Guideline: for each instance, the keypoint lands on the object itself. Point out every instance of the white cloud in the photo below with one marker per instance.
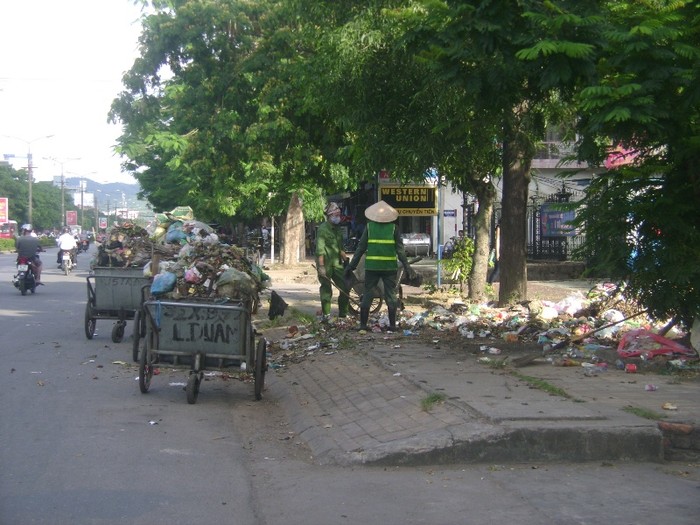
(62, 63)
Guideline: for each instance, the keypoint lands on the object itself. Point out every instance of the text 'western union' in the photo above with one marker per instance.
(407, 194)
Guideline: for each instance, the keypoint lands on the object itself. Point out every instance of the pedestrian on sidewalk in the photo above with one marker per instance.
(384, 247)
(330, 261)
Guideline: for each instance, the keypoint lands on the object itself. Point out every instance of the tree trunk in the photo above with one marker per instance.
(293, 232)
(513, 249)
(486, 195)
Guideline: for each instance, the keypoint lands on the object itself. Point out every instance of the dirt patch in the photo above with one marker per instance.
(302, 273)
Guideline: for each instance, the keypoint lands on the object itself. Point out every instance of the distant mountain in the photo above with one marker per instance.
(130, 191)
(117, 194)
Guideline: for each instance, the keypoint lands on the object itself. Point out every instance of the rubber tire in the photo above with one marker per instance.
(145, 366)
(66, 268)
(192, 388)
(118, 331)
(139, 333)
(90, 322)
(356, 299)
(22, 287)
(260, 367)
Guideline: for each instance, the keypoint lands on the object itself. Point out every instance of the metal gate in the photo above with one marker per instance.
(548, 235)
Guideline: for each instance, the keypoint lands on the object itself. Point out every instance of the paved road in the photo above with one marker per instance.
(82, 445)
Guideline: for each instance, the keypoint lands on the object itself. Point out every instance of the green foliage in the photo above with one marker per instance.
(429, 401)
(228, 131)
(460, 264)
(641, 221)
(7, 245)
(46, 199)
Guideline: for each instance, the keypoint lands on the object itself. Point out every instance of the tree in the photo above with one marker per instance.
(437, 83)
(519, 63)
(226, 129)
(371, 76)
(641, 220)
(46, 198)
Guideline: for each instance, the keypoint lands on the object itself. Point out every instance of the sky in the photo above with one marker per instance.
(61, 64)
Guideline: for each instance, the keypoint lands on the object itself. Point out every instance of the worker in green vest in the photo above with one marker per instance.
(330, 260)
(384, 247)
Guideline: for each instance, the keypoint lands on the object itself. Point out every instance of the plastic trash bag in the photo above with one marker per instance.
(649, 344)
(163, 283)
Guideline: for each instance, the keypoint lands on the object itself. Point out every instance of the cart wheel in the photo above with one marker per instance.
(356, 294)
(354, 305)
(260, 367)
(192, 388)
(118, 331)
(90, 322)
(145, 366)
(139, 332)
(356, 298)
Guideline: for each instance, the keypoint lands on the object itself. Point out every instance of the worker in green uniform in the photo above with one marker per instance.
(384, 247)
(330, 261)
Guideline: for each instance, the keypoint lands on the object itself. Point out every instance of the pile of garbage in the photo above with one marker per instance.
(602, 327)
(185, 258)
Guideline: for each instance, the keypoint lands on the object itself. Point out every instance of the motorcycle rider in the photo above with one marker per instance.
(66, 242)
(28, 245)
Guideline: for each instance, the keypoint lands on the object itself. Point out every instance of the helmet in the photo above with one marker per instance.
(27, 227)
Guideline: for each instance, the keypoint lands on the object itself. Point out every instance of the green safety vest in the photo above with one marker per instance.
(381, 247)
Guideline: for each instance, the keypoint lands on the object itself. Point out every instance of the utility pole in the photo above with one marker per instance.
(82, 208)
(63, 184)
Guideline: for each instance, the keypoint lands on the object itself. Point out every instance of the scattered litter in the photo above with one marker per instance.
(651, 388)
(669, 406)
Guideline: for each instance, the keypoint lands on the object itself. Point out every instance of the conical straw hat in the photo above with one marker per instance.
(381, 212)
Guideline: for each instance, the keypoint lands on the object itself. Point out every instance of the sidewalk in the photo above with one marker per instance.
(370, 402)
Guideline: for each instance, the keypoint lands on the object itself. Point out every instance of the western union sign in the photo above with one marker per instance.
(410, 200)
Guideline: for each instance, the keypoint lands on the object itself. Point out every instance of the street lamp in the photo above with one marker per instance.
(30, 168)
(63, 185)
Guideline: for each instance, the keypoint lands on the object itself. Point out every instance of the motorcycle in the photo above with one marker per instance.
(66, 261)
(24, 280)
(83, 245)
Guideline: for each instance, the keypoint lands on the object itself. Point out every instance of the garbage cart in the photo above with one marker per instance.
(200, 335)
(357, 287)
(114, 293)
